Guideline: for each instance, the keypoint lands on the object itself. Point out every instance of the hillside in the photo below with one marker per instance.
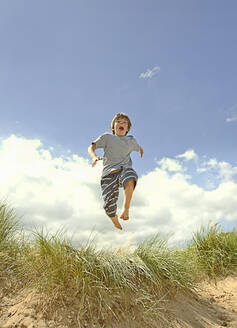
(215, 305)
(46, 281)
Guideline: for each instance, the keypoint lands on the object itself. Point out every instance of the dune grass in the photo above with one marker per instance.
(9, 237)
(103, 285)
(216, 251)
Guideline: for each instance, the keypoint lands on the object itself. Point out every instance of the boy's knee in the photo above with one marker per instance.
(130, 184)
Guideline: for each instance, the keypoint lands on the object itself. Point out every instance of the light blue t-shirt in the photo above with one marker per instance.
(116, 151)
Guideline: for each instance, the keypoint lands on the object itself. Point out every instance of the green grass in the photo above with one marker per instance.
(216, 251)
(8, 226)
(103, 285)
(9, 237)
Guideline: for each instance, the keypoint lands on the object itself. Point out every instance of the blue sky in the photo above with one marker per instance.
(67, 67)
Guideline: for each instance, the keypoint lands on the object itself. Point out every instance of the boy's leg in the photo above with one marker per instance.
(116, 222)
(128, 192)
(110, 193)
(129, 180)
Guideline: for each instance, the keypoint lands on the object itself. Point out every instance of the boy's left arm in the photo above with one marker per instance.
(141, 151)
(136, 146)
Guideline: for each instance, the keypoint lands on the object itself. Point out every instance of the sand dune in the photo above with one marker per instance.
(214, 305)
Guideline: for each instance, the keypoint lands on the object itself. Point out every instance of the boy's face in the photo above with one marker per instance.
(121, 127)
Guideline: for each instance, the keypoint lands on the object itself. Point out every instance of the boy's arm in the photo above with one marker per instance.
(135, 145)
(94, 157)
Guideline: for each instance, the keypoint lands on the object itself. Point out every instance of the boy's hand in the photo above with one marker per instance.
(141, 151)
(95, 160)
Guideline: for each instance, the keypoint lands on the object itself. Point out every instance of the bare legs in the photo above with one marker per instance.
(116, 222)
(128, 192)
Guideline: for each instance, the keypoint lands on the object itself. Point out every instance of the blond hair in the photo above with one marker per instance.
(118, 116)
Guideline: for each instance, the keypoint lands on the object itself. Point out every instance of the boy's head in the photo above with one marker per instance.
(120, 124)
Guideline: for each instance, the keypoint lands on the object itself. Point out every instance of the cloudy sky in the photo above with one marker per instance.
(67, 67)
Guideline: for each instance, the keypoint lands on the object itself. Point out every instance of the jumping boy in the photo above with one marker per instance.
(117, 166)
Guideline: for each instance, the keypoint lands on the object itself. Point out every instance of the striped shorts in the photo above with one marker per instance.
(110, 188)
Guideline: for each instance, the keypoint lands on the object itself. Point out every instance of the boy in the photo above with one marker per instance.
(117, 166)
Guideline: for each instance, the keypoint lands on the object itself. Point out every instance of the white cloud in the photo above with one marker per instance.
(170, 165)
(227, 171)
(188, 155)
(224, 171)
(232, 114)
(150, 73)
(231, 119)
(64, 191)
(47, 189)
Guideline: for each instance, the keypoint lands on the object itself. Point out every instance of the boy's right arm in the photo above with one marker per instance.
(94, 157)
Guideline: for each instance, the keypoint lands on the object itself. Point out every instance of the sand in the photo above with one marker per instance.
(214, 306)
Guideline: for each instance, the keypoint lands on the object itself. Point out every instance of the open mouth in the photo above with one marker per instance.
(121, 128)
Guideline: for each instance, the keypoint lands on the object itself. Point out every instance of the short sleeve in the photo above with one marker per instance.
(100, 141)
(135, 146)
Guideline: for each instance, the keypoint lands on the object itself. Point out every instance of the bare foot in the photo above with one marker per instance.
(125, 214)
(116, 222)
